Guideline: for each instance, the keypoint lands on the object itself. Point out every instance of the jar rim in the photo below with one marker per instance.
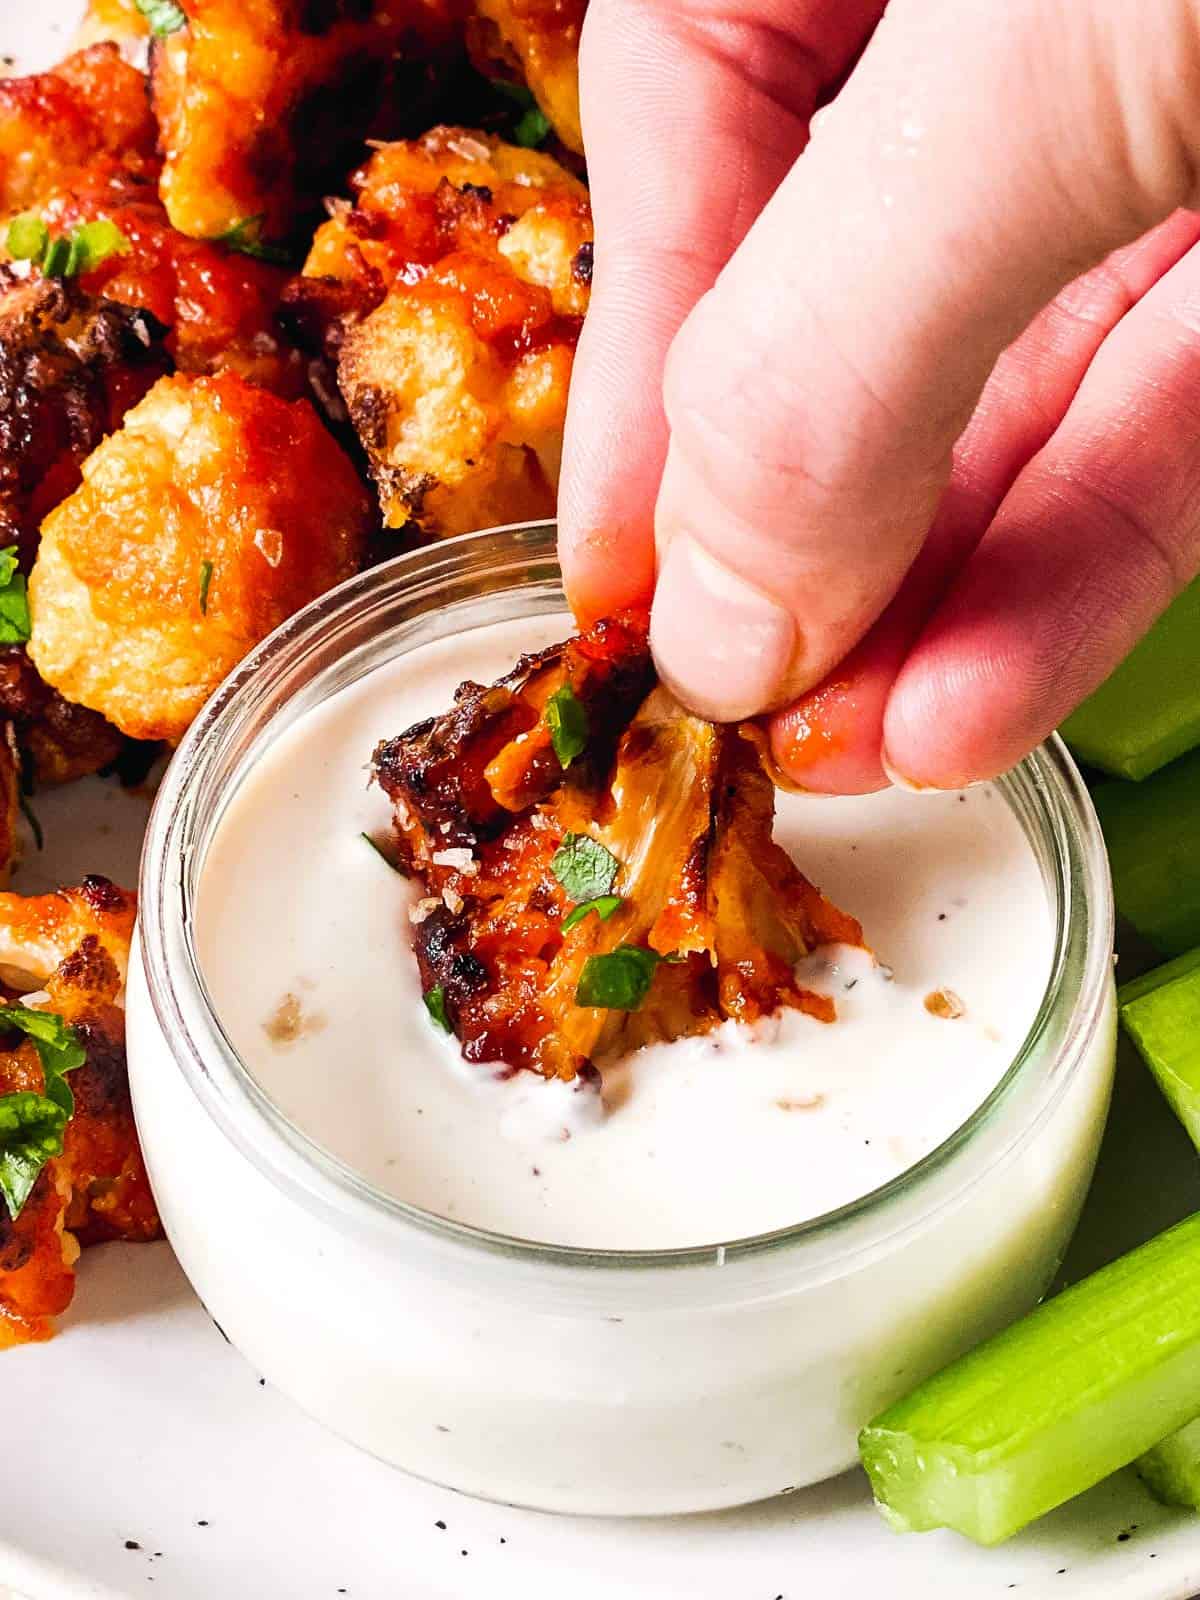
(294, 662)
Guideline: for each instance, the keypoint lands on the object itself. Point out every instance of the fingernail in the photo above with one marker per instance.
(898, 780)
(722, 646)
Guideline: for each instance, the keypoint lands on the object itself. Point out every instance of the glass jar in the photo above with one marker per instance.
(569, 1379)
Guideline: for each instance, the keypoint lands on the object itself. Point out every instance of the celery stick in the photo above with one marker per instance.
(1083, 1385)
(1172, 1469)
(1161, 1014)
(1148, 712)
(1152, 830)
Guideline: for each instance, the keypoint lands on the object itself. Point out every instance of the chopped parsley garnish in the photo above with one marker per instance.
(246, 237)
(435, 1004)
(31, 1133)
(164, 16)
(620, 980)
(568, 724)
(584, 867)
(31, 1125)
(14, 601)
(604, 905)
(532, 129)
(533, 125)
(27, 238)
(206, 571)
(68, 255)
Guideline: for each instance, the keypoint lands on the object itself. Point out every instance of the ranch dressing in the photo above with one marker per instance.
(305, 942)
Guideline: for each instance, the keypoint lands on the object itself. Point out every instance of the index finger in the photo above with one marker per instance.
(693, 113)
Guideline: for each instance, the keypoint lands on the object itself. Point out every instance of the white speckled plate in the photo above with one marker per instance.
(142, 1456)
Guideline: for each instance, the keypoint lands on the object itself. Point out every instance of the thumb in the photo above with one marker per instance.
(983, 154)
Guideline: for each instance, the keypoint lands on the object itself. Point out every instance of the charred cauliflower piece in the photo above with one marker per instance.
(218, 307)
(91, 106)
(537, 40)
(70, 367)
(264, 104)
(71, 949)
(577, 782)
(215, 512)
(476, 257)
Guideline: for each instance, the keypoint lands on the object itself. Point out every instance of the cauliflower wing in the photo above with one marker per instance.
(92, 105)
(537, 40)
(676, 812)
(455, 288)
(70, 367)
(218, 307)
(72, 949)
(214, 512)
(264, 104)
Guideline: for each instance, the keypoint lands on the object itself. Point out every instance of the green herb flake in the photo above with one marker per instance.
(56, 258)
(532, 126)
(14, 601)
(435, 1004)
(604, 906)
(27, 238)
(246, 238)
(618, 981)
(31, 1133)
(584, 867)
(206, 572)
(164, 16)
(31, 1125)
(383, 855)
(58, 1044)
(532, 129)
(82, 250)
(93, 242)
(568, 724)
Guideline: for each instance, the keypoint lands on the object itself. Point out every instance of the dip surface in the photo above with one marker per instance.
(305, 942)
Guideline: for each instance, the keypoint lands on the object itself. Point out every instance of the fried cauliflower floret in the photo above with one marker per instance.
(90, 106)
(214, 513)
(453, 190)
(72, 949)
(39, 932)
(537, 40)
(716, 914)
(218, 307)
(477, 258)
(70, 367)
(264, 104)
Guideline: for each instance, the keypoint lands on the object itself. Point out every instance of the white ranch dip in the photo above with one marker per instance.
(305, 943)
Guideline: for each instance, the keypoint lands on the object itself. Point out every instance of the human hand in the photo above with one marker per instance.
(933, 387)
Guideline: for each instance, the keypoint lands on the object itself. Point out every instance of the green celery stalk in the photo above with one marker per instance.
(1152, 830)
(1148, 712)
(1161, 1014)
(1171, 1471)
(1081, 1386)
